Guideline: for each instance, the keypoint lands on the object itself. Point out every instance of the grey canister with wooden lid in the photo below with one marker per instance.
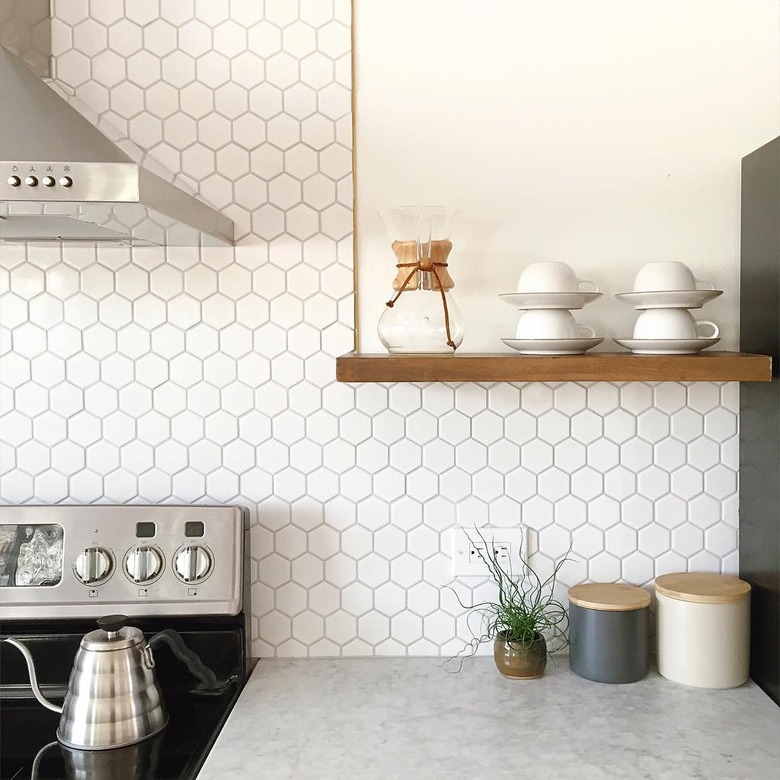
(608, 631)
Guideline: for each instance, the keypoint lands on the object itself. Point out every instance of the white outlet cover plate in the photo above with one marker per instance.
(463, 539)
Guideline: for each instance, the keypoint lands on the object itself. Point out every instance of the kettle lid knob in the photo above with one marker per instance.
(112, 623)
(113, 634)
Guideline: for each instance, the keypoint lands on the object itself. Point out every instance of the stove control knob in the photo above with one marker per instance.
(93, 566)
(192, 563)
(143, 564)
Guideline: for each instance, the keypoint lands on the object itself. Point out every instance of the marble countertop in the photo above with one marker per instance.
(408, 718)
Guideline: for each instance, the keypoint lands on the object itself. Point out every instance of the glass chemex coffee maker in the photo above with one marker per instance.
(422, 317)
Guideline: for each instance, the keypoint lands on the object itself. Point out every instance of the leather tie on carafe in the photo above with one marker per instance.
(426, 264)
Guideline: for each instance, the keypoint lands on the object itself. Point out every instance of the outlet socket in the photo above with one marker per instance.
(508, 543)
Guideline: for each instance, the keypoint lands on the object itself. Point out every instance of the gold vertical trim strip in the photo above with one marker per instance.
(356, 341)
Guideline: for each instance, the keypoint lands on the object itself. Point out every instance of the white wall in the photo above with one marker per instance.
(176, 376)
(606, 134)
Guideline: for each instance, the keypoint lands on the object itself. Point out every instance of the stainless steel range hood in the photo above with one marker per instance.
(61, 179)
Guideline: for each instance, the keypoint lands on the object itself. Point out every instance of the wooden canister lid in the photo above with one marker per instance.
(609, 596)
(702, 587)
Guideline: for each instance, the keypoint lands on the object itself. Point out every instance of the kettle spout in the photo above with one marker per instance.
(33, 679)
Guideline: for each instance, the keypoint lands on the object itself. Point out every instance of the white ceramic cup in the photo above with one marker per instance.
(668, 275)
(672, 324)
(551, 324)
(552, 277)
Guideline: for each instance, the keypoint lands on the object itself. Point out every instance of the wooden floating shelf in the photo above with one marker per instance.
(595, 367)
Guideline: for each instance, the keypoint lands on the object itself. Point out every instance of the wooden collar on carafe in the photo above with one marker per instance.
(406, 252)
(435, 265)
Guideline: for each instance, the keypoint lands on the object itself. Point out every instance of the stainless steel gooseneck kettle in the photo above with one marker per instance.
(113, 698)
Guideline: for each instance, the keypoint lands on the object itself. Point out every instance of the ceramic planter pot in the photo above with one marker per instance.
(520, 660)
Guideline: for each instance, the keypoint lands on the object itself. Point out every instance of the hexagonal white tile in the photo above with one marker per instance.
(203, 374)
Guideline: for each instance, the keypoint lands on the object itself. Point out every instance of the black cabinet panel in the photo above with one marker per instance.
(759, 544)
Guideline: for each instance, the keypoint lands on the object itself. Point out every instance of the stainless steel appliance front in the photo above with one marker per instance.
(80, 561)
(61, 179)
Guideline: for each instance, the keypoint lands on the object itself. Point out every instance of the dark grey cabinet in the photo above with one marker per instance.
(759, 503)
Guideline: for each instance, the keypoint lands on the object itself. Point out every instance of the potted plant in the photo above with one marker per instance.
(525, 610)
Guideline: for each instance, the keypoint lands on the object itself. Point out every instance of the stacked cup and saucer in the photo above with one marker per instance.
(547, 292)
(663, 293)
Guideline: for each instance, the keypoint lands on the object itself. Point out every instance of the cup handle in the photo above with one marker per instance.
(702, 285)
(585, 331)
(715, 329)
(594, 286)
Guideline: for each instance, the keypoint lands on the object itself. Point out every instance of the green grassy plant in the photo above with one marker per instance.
(525, 607)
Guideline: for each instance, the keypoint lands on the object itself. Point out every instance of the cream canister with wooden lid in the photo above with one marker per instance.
(703, 629)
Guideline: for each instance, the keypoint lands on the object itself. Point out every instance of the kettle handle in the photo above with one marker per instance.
(208, 680)
(33, 679)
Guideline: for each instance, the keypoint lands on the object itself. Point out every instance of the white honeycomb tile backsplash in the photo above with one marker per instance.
(186, 376)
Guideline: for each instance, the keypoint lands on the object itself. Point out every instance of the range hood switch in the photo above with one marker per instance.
(31, 181)
(14, 181)
(66, 181)
(48, 181)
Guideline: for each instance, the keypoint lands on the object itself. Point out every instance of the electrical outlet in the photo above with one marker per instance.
(478, 552)
(469, 552)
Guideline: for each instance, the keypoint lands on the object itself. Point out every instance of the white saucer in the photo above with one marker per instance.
(552, 346)
(555, 300)
(669, 299)
(666, 346)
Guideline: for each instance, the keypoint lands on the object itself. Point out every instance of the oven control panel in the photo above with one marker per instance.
(85, 561)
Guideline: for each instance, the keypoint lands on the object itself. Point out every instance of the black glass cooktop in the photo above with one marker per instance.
(28, 746)
(26, 728)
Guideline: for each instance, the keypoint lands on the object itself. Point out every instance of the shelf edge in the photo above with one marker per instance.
(599, 367)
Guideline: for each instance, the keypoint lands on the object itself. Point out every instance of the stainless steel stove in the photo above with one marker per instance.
(165, 567)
